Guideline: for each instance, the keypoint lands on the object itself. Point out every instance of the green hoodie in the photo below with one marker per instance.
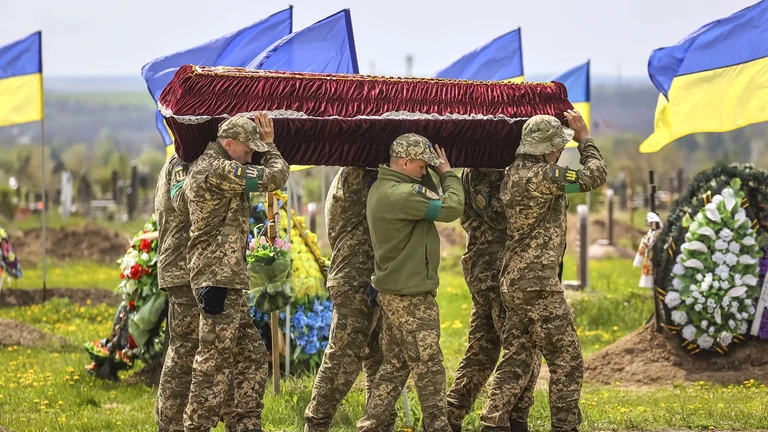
(401, 216)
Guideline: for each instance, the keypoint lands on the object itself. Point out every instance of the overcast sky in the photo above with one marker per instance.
(108, 37)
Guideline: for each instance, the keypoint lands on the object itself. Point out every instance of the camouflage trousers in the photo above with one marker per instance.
(353, 346)
(231, 353)
(173, 391)
(480, 358)
(537, 320)
(410, 342)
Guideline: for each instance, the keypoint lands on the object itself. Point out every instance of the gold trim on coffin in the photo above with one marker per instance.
(241, 72)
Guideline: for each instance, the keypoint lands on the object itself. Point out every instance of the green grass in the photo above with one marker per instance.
(70, 274)
(45, 390)
(54, 220)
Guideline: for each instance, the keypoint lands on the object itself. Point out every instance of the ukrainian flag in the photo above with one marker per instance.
(499, 60)
(234, 49)
(21, 81)
(714, 80)
(576, 81)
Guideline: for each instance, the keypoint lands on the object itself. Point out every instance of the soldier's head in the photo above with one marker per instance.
(240, 138)
(544, 136)
(411, 154)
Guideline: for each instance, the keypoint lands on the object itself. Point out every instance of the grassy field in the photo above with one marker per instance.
(71, 274)
(54, 220)
(46, 390)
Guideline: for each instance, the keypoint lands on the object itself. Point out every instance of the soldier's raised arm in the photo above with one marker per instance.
(557, 179)
(419, 202)
(178, 197)
(273, 170)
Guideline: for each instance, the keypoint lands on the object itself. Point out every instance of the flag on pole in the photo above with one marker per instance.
(499, 60)
(21, 81)
(236, 49)
(577, 83)
(327, 46)
(714, 80)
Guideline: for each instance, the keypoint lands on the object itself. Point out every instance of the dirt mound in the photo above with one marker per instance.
(13, 333)
(451, 234)
(645, 357)
(598, 230)
(87, 242)
(600, 251)
(149, 375)
(11, 297)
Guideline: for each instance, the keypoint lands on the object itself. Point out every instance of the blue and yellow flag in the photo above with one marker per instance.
(21, 81)
(499, 60)
(714, 80)
(576, 81)
(236, 49)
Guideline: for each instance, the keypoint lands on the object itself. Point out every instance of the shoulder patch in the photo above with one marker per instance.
(180, 173)
(480, 201)
(239, 172)
(253, 171)
(565, 175)
(426, 191)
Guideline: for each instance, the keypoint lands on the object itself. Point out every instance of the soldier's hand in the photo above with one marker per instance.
(266, 127)
(445, 166)
(373, 294)
(579, 126)
(211, 299)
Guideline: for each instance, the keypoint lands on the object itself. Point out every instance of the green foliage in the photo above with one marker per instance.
(42, 389)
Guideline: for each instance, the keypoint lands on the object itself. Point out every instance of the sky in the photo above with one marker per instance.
(116, 38)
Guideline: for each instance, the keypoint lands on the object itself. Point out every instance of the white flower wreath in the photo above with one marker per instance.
(716, 273)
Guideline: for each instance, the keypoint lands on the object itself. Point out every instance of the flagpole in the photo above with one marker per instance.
(42, 136)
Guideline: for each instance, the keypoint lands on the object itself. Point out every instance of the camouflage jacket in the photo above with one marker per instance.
(172, 224)
(486, 227)
(401, 215)
(218, 194)
(348, 235)
(534, 197)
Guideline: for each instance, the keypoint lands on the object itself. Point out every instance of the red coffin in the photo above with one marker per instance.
(350, 120)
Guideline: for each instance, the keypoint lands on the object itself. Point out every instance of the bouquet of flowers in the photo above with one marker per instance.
(715, 285)
(137, 331)
(269, 268)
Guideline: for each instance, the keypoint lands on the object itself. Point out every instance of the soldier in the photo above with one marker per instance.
(218, 189)
(173, 277)
(538, 317)
(401, 215)
(183, 317)
(354, 339)
(485, 224)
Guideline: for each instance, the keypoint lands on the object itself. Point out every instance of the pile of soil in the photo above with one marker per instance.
(451, 234)
(647, 358)
(598, 230)
(12, 297)
(13, 333)
(87, 243)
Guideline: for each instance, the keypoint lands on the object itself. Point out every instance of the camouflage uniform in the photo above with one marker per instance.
(173, 277)
(538, 317)
(218, 192)
(354, 339)
(401, 214)
(485, 224)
